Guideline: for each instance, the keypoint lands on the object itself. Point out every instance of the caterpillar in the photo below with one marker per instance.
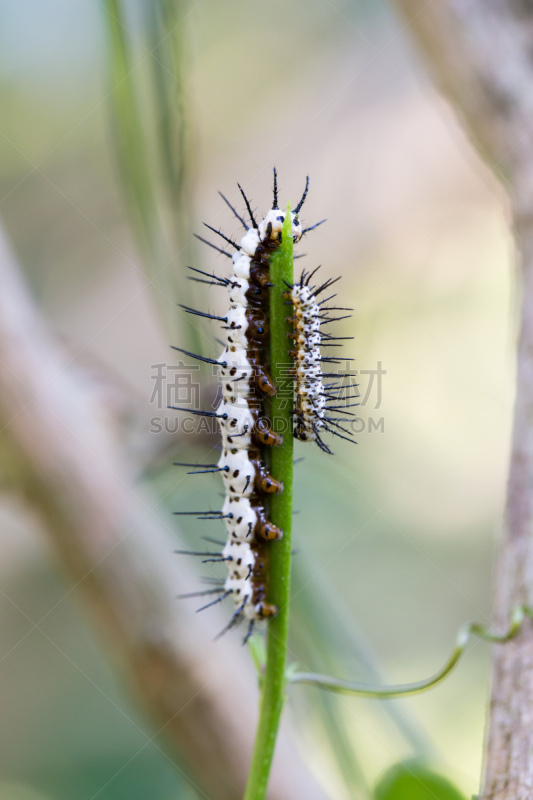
(245, 379)
(243, 369)
(311, 394)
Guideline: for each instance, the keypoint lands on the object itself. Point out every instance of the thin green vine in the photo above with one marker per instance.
(274, 680)
(404, 689)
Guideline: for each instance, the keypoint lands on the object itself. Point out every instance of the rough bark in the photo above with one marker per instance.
(481, 54)
(57, 446)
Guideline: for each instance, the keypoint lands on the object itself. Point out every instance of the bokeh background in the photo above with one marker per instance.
(395, 536)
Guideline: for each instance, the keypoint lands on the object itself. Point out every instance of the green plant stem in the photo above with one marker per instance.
(274, 682)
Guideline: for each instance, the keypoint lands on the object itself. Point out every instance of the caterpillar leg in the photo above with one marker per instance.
(266, 610)
(267, 484)
(263, 480)
(259, 273)
(265, 435)
(264, 382)
(267, 531)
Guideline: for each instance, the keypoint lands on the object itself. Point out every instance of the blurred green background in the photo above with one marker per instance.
(395, 536)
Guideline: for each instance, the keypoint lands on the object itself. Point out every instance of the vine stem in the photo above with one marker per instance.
(406, 689)
(274, 680)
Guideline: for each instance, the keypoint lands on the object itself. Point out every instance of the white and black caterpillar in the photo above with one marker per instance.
(312, 396)
(243, 371)
(245, 380)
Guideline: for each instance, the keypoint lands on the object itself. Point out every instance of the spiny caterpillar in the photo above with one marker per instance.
(246, 433)
(311, 394)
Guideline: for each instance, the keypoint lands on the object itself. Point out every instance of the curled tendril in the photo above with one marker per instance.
(338, 685)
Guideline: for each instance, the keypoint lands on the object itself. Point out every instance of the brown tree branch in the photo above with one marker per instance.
(58, 447)
(481, 53)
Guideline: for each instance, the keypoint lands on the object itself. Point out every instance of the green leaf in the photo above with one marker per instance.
(413, 781)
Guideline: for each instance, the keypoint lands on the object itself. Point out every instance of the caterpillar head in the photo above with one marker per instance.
(270, 227)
